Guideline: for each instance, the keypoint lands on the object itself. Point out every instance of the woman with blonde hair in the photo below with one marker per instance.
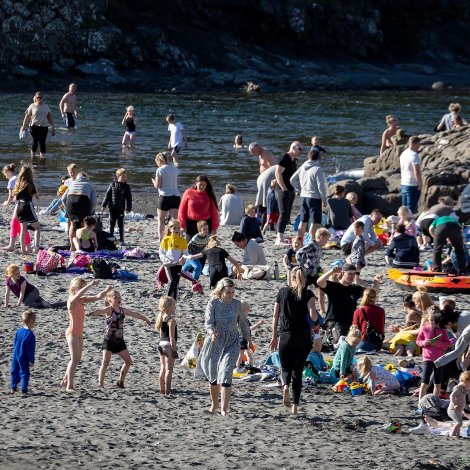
(291, 333)
(225, 323)
(377, 376)
(405, 341)
(74, 333)
(388, 133)
(370, 319)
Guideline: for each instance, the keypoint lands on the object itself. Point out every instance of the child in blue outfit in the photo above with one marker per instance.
(24, 347)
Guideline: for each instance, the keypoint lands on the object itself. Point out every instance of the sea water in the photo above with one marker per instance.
(349, 125)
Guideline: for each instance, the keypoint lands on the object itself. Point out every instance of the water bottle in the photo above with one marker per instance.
(428, 265)
(276, 271)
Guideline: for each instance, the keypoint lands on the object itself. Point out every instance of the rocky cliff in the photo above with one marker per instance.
(226, 43)
(445, 161)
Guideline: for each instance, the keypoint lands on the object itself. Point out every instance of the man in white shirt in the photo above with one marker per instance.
(411, 180)
(372, 242)
(253, 253)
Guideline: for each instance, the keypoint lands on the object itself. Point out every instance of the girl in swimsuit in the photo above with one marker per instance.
(74, 333)
(114, 336)
(166, 326)
(85, 238)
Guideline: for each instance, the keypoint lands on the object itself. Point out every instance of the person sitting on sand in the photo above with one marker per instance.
(231, 207)
(458, 402)
(391, 130)
(377, 376)
(85, 238)
(249, 224)
(253, 253)
(352, 198)
(342, 362)
(372, 242)
(113, 342)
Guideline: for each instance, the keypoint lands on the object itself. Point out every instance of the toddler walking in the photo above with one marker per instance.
(458, 402)
(166, 326)
(245, 347)
(24, 348)
(113, 342)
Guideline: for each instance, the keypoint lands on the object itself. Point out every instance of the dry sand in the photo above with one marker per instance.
(137, 428)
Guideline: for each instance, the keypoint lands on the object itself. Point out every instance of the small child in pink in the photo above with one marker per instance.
(434, 341)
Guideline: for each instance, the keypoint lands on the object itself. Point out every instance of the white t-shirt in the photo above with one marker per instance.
(176, 134)
(407, 159)
(254, 254)
(169, 180)
(12, 182)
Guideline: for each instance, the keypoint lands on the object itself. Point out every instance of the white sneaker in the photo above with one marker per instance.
(422, 428)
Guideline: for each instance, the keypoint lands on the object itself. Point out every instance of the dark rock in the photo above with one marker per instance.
(23, 71)
(368, 183)
(387, 203)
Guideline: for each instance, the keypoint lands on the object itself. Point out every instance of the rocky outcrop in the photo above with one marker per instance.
(232, 43)
(445, 161)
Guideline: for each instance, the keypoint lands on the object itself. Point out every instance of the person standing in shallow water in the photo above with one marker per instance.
(38, 116)
(68, 107)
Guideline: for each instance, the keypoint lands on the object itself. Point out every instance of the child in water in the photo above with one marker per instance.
(129, 120)
(377, 376)
(166, 326)
(113, 342)
(85, 238)
(24, 348)
(178, 138)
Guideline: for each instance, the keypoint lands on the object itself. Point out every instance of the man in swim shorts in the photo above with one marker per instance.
(68, 106)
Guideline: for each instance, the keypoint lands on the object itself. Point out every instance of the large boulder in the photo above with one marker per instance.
(445, 159)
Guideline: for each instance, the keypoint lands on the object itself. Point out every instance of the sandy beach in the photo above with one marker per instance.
(136, 428)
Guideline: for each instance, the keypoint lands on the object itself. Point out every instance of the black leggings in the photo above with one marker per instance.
(116, 215)
(293, 352)
(174, 275)
(39, 135)
(285, 201)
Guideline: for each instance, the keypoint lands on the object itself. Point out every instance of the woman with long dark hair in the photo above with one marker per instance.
(292, 333)
(199, 203)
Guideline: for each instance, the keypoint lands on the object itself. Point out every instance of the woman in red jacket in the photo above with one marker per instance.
(199, 203)
(369, 313)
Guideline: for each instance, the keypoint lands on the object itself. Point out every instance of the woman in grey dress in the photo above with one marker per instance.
(224, 323)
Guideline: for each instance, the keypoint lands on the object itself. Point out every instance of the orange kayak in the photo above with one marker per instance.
(433, 281)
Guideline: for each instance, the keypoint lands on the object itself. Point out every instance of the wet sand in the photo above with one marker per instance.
(137, 428)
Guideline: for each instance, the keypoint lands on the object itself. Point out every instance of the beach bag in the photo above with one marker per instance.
(190, 359)
(80, 261)
(372, 335)
(161, 278)
(47, 261)
(331, 336)
(102, 269)
(256, 272)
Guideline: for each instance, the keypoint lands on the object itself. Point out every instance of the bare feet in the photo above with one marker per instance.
(8, 248)
(285, 396)
(214, 408)
(224, 412)
(294, 409)
(70, 390)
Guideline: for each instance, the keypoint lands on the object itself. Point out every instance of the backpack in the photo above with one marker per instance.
(372, 335)
(102, 269)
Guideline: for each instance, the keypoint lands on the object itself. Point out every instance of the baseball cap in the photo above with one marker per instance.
(348, 267)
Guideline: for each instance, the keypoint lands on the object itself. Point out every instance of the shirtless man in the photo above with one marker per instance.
(68, 106)
(267, 163)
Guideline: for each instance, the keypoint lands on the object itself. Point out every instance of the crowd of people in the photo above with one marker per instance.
(187, 232)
